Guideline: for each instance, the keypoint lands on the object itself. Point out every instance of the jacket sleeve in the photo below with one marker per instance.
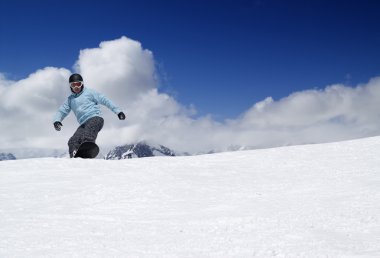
(101, 99)
(63, 111)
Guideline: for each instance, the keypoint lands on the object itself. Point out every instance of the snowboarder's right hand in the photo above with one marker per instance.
(57, 126)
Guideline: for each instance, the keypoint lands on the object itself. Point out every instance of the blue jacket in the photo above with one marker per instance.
(85, 106)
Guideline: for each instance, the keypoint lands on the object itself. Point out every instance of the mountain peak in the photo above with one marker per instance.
(7, 156)
(139, 150)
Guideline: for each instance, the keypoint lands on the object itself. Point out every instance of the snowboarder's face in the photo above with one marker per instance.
(76, 87)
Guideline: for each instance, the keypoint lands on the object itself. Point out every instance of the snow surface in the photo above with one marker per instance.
(302, 201)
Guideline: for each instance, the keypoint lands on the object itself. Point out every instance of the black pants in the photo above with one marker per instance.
(87, 132)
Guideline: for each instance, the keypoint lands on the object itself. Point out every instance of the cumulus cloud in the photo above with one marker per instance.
(337, 112)
(26, 105)
(125, 72)
(121, 68)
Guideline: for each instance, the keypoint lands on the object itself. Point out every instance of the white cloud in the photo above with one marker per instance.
(125, 72)
(121, 68)
(335, 113)
(26, 106)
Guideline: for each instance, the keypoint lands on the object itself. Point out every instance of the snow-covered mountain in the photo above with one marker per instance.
(138, 150)
(7, 156)
(27, 153)
(310, 201)
(144, 149)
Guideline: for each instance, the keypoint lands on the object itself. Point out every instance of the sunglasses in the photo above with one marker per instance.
(76, 84)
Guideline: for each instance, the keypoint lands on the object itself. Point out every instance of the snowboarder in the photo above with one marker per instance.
(84, 103)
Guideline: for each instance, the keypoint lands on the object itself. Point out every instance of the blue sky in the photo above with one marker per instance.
(222, 56)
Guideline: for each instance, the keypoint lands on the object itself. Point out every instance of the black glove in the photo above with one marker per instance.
(57, 126)
(121, 116)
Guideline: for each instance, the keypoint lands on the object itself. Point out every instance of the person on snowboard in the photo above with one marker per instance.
(84, 103)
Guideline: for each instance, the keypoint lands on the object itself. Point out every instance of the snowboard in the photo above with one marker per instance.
(87, 150)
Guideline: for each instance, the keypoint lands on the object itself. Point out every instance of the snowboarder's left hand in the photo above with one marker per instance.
(57, 125)
(121, 116)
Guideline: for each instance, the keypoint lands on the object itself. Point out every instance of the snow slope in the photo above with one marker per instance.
(301, 201)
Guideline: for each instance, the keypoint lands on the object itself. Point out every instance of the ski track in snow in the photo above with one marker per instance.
(318, 200)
